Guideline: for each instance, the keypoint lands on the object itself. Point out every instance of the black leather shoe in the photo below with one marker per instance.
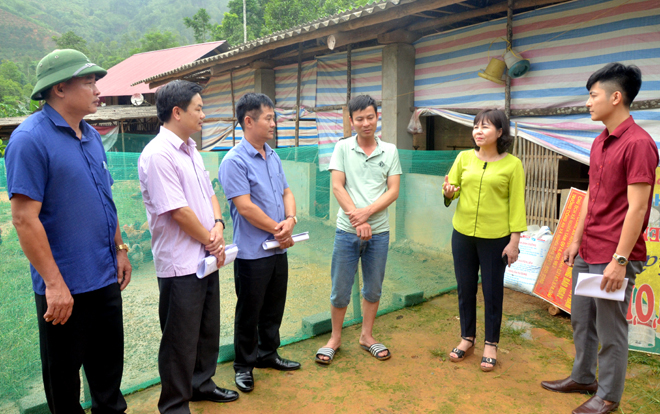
(245, 381)
(279, 364)
(219, 395)
(567, 385)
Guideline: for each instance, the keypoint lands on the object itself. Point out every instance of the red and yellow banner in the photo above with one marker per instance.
(644, 332)
(554, 283)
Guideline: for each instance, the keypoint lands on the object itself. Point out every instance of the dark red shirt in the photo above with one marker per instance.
(626, 156)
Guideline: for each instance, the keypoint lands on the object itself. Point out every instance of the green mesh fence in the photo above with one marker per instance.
(419, 260)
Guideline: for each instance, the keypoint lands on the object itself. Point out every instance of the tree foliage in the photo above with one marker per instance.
(284, 14)
(70, 40)
(231, 26)
(269, 16)
(156, 40)
(200, 25)
(14, 86)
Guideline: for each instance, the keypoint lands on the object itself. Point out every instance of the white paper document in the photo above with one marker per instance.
(209, 264)
(271, 244)
(588, 284)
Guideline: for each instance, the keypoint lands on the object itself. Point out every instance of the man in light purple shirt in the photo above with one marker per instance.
(186, 226)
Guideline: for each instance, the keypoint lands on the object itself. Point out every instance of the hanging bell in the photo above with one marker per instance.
(518, 66)
(494, 71)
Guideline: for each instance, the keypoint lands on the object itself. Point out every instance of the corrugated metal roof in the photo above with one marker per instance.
(120, 78)
(102, 114)
(304, 28)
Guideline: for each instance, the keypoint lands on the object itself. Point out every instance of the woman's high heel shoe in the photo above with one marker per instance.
(460, 354)
(486, 360)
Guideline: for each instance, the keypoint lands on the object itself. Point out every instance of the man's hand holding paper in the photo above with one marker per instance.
(589, 284)
(613, 277)
(283, 233)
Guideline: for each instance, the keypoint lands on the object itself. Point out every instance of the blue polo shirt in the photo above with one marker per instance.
(48, 163)
(244, 171)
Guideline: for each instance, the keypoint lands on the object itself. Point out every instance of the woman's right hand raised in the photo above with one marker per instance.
(447, 189)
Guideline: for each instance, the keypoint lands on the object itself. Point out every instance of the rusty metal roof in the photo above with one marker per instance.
(121, 78)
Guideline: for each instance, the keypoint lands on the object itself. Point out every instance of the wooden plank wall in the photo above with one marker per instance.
(541, 168)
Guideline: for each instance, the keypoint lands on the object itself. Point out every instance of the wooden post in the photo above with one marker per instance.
(348, 74)
(121, 128)
(298, 93)
(123, 148)
(346, 121)
(345, 112)
(233, 109)
(515, 140)
(509, 39)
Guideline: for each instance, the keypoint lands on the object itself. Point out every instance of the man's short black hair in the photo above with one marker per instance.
(176, 93)
(496, 118)
(250, 104)
(360, 103)
(622, 78)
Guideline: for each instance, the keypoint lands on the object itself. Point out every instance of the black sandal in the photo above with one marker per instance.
(485, 360)
(460, 354)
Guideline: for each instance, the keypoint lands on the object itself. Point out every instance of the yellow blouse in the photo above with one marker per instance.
(491, 197)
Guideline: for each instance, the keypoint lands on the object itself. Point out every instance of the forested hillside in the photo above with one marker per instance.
(94, 20)
(109, 31)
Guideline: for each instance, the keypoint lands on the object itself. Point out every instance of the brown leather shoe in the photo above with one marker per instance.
(567, 385)
(596, 405)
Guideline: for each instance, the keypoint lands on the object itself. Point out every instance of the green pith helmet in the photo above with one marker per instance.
(60, 65)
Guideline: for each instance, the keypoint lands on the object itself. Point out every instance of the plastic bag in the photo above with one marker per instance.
(534, 246)
(415, 126)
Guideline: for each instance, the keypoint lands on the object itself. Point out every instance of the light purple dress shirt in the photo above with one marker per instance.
(172, 175)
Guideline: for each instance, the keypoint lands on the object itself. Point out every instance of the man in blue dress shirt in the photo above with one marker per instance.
(262, 207)
(61, 203)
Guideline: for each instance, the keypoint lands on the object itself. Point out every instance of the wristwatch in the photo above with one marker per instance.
(620, 259)
(122, 247)
(224, 226)
(295, 219)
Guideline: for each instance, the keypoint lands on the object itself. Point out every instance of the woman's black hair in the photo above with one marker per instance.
(498, 119)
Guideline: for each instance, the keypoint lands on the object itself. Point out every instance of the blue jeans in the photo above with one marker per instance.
(348, 249)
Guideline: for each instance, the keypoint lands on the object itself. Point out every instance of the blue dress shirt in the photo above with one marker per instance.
(244, 171)
(69, 176)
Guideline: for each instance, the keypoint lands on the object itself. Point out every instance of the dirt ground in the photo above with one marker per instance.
(419, 378)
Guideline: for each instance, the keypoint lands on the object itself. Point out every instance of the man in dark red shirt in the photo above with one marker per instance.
(609, 238)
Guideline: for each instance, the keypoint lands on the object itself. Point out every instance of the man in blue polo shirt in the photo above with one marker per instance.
(61, 202)
(262, 207)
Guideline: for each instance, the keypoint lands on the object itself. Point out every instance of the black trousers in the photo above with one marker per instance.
(261, 290)
(93, 337)
(189, 312)
(470, 253)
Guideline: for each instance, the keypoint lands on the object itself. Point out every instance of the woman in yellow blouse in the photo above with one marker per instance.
(489, 184)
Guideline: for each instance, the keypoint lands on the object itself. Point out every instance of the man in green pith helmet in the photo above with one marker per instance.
(62, 207)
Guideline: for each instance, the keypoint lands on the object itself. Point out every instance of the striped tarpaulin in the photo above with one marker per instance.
(286, 80)
(366, 78)
(307, 132)
(286, 128)
(569, 135)
(216, 95)
(565, 44)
